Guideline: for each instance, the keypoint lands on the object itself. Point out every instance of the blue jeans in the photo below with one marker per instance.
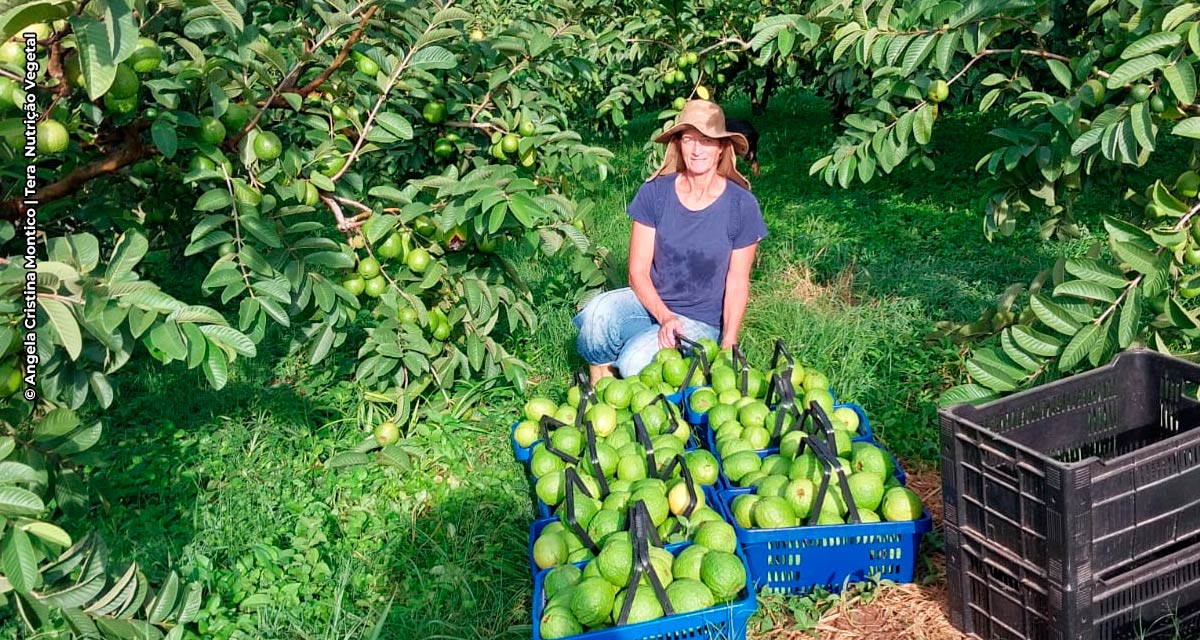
(614, 328)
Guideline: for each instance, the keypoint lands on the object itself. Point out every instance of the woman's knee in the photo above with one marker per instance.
(598, 329)
(638, 353)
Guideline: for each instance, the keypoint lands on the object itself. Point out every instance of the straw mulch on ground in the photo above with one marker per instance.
(902, 612)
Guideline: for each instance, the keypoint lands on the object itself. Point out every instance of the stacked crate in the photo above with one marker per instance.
(1072, 510)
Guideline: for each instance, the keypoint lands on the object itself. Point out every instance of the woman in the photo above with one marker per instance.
(696, 227)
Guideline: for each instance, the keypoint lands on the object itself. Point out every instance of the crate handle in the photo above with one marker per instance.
(641, 530)
(699, 358)
(781, 350)
(639, 430)
(830, 466)
(741, 364)
(544, 430)
(573, 481)
(594, 457)
(693, 499)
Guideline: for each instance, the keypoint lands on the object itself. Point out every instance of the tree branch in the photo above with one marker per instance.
(128, 152)
(1038, 53)
(341, 56)
(289, 81)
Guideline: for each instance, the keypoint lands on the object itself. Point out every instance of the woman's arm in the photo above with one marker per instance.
(737, 293)
(641, 254)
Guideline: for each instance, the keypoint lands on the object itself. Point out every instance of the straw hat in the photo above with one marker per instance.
(707, 118)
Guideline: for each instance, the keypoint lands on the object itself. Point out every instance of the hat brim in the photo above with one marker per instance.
(740, 144)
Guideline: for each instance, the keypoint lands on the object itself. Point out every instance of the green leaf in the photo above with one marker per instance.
(81, 439)
(78, 594)
(164, 603)
(15, 501)
(17, 472)
(86, 250)
(55, 424)
(916, 53)
(131, 248)
(64, 325)
(1016, 354)
(1180, 316)
(118, 596)
(1086, 290)
(230, 13)
(1103, 349)
(970, 393)
(1182, 78)
(526, 209)
(396, 125)
(1130, 320)
(1189, 128)
(786, 41)
(23, 14)
(1080, 346)
(1061, 73)
(48, 532)
(1095, 271)
(166, 338)
(214, 199)
(1135, 69)
(95, 54)
(216, 368)
(193, 598)
(1150, 44)
(1052, 315)
(990, 376)
(348, 459)
(1142, 260)
(1034, 341)
(923, 125)
(18, 560)
(433, 57)
(1143, 129)
(1124, 232)
(163, 134)
(230, 337)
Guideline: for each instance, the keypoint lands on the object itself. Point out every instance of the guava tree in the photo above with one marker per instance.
(207, 171)
(1088, 91)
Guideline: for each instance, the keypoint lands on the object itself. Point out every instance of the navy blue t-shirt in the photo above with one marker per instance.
(692, 248)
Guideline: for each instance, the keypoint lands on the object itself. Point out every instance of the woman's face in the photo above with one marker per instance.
(700, 152)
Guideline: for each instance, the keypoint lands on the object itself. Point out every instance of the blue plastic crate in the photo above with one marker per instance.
(723, 482)
(796, 559)
(721, 622)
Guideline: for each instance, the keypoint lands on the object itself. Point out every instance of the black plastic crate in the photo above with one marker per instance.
(1094, 473)
(996, 596)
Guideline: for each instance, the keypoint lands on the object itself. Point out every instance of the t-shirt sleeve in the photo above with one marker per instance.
(749, 224)
(644, 207)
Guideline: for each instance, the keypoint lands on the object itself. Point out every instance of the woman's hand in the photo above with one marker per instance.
(667, 332)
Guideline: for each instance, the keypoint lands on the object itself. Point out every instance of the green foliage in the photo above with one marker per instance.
(1084, 93)
(49, 577)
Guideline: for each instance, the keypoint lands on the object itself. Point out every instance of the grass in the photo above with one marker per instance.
(233, 485)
